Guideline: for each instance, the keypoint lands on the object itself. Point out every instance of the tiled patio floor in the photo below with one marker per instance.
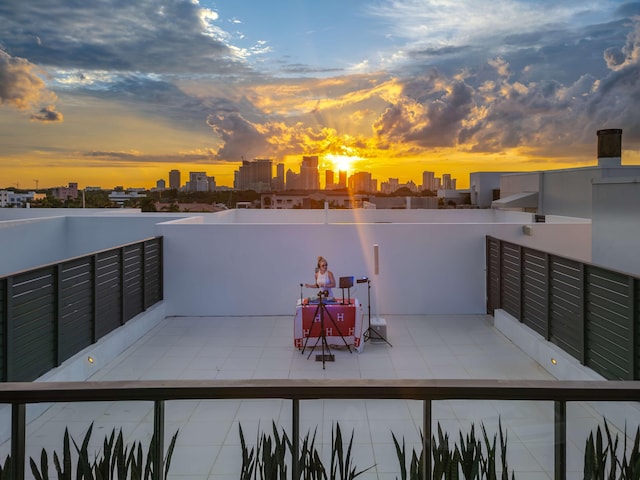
(430, 346)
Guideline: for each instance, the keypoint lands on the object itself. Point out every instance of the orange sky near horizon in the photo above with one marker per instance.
(49, 172)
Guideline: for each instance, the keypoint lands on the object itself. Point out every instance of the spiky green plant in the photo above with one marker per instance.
(630, 468)
(470, 454)
(267, 459)
(602, 462)
(115, 461)
(468, 457)
(341, 461)
(248, 466)
(309, 462)
(445, 460)
(5, 469)
(416, 465)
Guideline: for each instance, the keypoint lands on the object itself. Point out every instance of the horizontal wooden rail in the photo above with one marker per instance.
(427, 391)
(37, 392)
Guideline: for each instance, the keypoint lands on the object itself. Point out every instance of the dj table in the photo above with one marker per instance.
(347, 321)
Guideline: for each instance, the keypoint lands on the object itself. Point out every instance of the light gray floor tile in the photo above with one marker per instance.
(430, 346)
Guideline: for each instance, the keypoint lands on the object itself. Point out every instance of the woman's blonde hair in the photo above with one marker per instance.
(322, 259)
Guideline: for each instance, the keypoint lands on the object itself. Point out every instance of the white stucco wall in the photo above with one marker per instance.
(26, 244)
(482, 185)
(256, 269)
(34, 242)
(433, 264)
(616, 223)
(563, 192)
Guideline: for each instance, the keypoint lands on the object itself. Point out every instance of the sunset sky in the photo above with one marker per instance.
(113, 92)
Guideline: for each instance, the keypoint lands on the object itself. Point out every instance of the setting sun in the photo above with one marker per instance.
(340, 163)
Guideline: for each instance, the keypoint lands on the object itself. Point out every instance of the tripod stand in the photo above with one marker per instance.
(322, 310)
(370, 332)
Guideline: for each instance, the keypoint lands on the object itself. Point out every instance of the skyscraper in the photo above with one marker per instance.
(198, 182)
(255, 175)
(278, 180)
(428, 181)
(362, 182)
(309, 176)
(328, 180)
(174, 179)
(342, 179)
(446, 181)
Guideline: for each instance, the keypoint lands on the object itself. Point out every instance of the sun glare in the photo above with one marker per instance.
(340, 163)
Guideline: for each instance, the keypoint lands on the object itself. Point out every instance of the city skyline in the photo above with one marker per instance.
(95, 93)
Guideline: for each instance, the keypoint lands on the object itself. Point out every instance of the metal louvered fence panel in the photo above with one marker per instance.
(591, 312)
(535, 291)
(51, 313)
(609, 323)
(31, 326)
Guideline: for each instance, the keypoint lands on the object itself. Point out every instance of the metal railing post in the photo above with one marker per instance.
(295, 440)
(560, 440)
(426, 439)
(18, 440)
(158, 434)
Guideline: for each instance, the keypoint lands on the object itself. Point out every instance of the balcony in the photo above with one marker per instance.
(230, 286)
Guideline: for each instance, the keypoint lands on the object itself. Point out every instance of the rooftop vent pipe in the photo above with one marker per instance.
(610, 147)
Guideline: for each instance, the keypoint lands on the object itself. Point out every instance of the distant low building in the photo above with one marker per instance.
(66, 193)
(120, 197)
(18, 200)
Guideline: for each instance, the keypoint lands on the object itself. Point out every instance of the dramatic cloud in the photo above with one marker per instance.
(152, 36)
(387, 79)
(619, 58)
(48, 114)
(20, 84)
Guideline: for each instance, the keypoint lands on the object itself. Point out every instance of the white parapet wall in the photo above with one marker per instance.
(430, 262)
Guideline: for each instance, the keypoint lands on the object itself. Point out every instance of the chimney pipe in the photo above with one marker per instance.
(610, 147)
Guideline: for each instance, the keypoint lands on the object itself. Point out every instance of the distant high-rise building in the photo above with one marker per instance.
(161, 184)
(198, 182)
(174, 179)
(309, 176)
(328, 180)
(428, 181)
(293, 180)
(255, 175)
(391, 186)
(278, 180)
(342, 179)
(446, 182)
(362, 182)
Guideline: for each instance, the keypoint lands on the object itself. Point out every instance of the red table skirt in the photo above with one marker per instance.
(340, 320)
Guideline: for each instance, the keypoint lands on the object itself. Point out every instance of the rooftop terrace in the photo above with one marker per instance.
(230, 286)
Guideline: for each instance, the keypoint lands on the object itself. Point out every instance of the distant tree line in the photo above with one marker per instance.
(100, 199)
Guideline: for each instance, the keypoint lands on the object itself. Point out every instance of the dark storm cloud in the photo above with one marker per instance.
(47, 114)
(241, 138)
(432, 123)
(159, 36)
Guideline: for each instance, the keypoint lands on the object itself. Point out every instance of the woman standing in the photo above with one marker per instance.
(324, 277)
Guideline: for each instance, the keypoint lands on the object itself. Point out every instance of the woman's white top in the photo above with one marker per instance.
(322, 279)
